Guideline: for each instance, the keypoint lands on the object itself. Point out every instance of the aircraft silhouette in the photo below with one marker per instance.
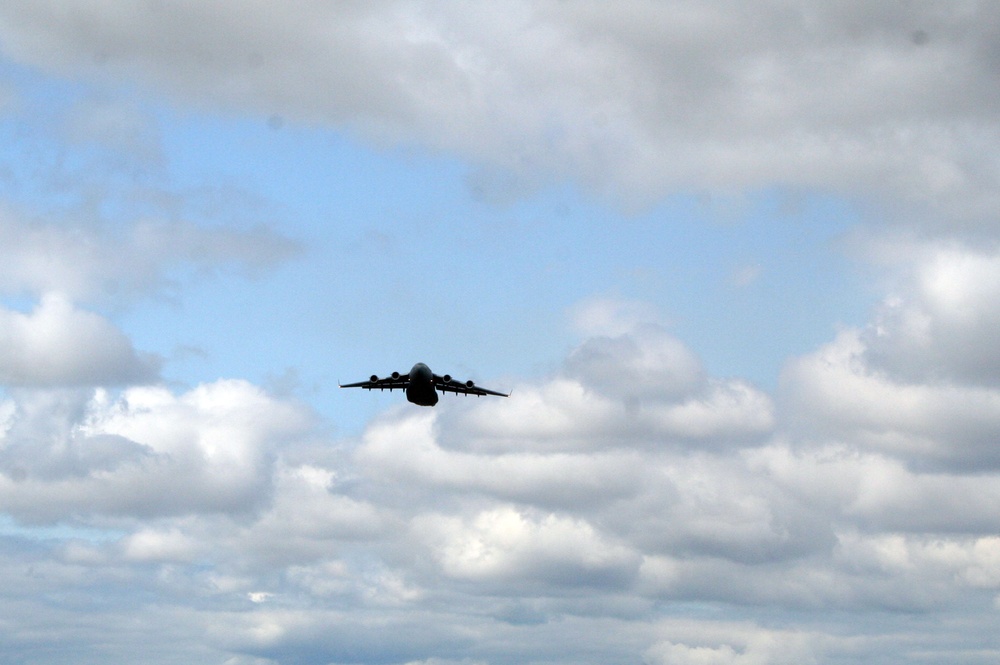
(421, 385)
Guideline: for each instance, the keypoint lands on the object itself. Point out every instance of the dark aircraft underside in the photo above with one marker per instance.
(422, 385)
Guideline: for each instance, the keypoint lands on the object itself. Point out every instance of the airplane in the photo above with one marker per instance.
(421, 385)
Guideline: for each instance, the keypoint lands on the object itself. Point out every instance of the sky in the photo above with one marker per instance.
(738, 263)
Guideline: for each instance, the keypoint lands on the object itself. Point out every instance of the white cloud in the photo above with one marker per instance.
(727, 409)
(433, 527)
(305, 516)
(642, 387)
(756, 646)
(144, 453)
(892, 434)
(408, 450)
(835, 393)
(504, 546)
(60, 345)
(152, 545)
(879, 493)
(557, 520)
(87, 260)
(643, 363)
(611, 317)
(941, 327)
(634, 100)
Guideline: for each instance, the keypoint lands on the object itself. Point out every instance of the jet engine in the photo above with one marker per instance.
(446, 378)
(469, 384)
(395, 375)
(373, 378)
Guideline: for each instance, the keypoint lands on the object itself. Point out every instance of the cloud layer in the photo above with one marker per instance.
(580, 520)
(888, 103)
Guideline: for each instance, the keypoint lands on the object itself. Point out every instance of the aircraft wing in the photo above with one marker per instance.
(447, 385)
(394, 381)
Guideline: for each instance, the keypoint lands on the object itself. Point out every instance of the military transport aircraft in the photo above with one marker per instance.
(421, 385)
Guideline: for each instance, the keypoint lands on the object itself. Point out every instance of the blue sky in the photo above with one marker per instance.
(737, 263)
(401, 259)
(399, 254)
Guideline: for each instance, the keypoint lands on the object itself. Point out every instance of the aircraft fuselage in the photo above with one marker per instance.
(421, 389)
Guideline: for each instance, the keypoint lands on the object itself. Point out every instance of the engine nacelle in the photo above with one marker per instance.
(395, 375)
(373, 378)
(446, 378)
(470, 384)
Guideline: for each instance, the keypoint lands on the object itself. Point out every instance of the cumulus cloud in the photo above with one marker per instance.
(143, 453)
(60, 345)
(918, 382)
(941, 326)
(410, 451)
(503, 545)
(835, 393)
(641, 385)
(431, 527)
(643, 363)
